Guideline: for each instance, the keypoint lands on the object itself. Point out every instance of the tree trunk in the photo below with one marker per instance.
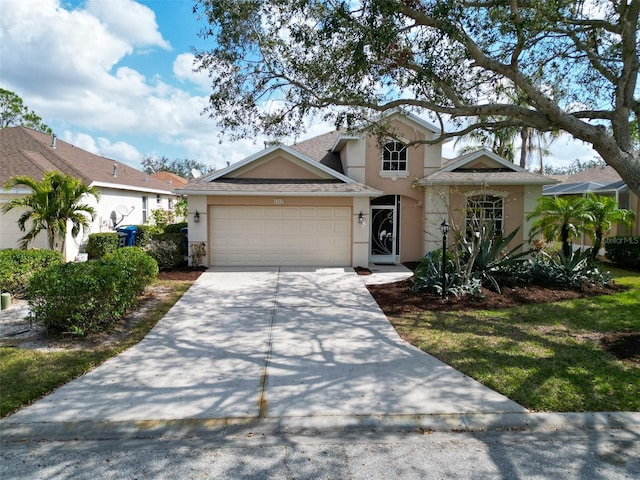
(524, 147)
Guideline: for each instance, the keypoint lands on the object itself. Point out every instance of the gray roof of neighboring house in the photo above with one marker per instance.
(598, 179)
(24, 151)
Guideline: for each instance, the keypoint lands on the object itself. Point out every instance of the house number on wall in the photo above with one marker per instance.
(278, 201)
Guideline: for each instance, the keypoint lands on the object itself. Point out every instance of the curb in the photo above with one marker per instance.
(229, 429)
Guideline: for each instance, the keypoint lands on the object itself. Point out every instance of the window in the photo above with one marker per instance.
(394, 157)
(158, 199)
(144, 209)
(484, 211)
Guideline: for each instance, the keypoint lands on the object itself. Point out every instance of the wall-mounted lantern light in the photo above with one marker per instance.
(361, 218)
(196, 216)
(444, 228)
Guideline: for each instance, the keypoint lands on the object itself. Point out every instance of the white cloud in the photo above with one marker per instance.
(81, 140)
(129, 20)
(183, 70)
(121, 151)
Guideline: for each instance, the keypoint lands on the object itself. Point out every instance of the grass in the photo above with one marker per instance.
(546, 356)
(26, 375)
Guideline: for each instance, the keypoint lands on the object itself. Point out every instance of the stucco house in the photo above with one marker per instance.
(344, 199)
(127, 195)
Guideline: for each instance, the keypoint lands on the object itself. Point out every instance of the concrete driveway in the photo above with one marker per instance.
(268, 343)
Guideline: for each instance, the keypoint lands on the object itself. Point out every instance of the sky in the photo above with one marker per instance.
(115, 77)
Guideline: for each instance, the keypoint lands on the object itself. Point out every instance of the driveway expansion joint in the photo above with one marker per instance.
(263, 404)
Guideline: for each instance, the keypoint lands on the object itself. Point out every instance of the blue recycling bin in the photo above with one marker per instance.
(127, 235)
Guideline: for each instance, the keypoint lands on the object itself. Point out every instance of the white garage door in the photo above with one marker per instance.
(270, 236)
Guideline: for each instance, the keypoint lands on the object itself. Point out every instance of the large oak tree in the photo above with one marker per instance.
(571, 65)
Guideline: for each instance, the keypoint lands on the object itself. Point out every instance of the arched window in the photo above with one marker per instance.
(484, 211)
(394, 157)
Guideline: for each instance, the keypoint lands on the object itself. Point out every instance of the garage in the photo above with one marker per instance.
(280, 236)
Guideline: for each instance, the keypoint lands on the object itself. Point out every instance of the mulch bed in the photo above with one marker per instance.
(397, 299)
(181, 273)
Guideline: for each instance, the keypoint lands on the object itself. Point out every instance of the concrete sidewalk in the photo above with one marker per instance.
(268, 343)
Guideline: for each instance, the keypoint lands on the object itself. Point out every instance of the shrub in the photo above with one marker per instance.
(100, 244)
(17, 266)
(559, 270)
(162, 218)
(175, 227)
(624, 251)
(198, 252)
(87, 297)
(165, 252)
(138, 270)
(144, 234)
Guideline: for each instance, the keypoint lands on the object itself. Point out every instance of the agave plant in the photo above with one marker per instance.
(489, 255)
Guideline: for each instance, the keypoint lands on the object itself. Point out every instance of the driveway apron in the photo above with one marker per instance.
(268, 343)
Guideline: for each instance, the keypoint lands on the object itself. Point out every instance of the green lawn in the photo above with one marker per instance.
(26, 375)
(546, 356)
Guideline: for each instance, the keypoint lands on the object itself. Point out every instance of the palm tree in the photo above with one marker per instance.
(52, 203)
(560, 218)
(535, 141)
(603, 213)
(500, 141)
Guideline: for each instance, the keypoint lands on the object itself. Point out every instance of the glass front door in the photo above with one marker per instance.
(383, 234)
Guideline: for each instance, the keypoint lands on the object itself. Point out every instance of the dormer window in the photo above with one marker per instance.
(394, 157)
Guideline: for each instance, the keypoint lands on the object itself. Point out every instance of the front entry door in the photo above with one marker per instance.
(383, 234)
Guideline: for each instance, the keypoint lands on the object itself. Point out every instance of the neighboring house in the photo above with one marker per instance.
(602, 180)
(170, 179)
(127, 195)
(345, 200)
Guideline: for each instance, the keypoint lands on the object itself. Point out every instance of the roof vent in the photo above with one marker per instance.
(53, 140)
(115, 170)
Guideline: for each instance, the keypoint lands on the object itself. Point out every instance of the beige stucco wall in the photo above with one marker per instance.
(436, 209)
(420, 157)
(514, 202)
(279, 167)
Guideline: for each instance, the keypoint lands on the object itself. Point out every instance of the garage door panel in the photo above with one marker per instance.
(256, 236)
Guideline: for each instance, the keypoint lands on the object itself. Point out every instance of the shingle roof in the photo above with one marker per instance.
(278, 186)
(598, 179)
(319, 149)
(602, 175)
(24, 151)
(171, 179)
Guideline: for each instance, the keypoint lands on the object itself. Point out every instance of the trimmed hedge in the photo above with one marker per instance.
(100, 244)
(89, 297)
(175, 227)
(623, 251)
(17, 266)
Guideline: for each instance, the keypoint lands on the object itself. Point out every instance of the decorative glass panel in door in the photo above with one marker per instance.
(383, 244)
